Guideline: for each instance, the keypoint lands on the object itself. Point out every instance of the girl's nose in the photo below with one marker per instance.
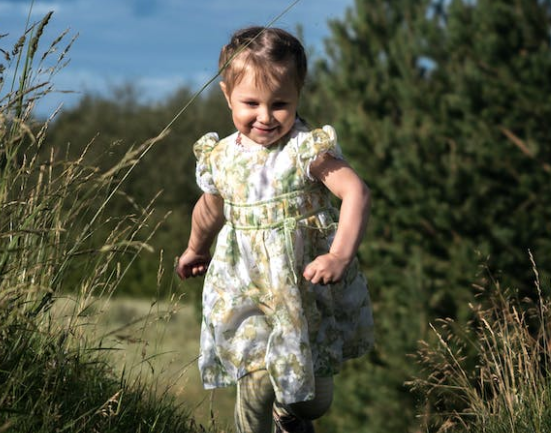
(265, 115)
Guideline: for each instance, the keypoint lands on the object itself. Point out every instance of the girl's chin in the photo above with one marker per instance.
(265, 139)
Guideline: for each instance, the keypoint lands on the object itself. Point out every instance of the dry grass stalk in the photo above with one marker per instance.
(492, 374)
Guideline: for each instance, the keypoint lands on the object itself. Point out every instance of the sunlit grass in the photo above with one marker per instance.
(493, 374)
(159, 341)
(62, 257)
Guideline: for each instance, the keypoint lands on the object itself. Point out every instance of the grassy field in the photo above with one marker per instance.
(158, 341)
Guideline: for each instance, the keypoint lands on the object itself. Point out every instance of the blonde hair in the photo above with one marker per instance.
(271, 52)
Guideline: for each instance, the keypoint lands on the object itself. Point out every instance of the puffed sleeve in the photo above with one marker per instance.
(316, 143)
(202, 150)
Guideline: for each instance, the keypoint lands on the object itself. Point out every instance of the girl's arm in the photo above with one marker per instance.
(342, 181)
(206, 221)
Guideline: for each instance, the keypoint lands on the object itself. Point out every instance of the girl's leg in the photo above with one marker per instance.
(254, 402)
(297, 417)
(314, 409)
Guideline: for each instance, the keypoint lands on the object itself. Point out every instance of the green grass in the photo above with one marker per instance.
(50, 385)
(159, 342)
(59, 242)
(491, 375)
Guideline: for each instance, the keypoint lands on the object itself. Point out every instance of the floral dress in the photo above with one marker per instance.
(258, 310)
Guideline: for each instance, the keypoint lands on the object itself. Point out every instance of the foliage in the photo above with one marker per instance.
(442, 107)
(491, 375)
(166, 171)
(54, 231)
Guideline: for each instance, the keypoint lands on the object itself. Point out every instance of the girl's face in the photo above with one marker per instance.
(260, 114)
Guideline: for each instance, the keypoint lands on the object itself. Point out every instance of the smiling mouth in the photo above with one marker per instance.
(265, 130)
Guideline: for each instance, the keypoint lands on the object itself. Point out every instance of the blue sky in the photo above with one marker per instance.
(158, 45)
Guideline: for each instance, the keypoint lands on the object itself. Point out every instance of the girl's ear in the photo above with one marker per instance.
(226, 93)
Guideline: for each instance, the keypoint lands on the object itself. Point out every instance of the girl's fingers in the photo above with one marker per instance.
(199, 270)
(313, 274)
(188, 271)
(308, 273)
(323, 271)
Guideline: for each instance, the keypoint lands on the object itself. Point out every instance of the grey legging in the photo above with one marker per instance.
(256, 400)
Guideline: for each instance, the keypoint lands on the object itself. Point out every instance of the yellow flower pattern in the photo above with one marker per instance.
(258, 310)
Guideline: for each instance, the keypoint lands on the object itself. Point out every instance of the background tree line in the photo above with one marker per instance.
(443, 108)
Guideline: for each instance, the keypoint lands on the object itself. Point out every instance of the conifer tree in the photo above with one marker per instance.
(442, 107)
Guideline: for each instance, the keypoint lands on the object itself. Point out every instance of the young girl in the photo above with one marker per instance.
(284, 303)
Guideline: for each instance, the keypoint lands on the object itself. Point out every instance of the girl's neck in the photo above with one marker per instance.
(246, 143)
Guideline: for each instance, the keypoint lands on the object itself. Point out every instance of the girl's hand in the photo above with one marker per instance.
(326, 269)
(192, 264)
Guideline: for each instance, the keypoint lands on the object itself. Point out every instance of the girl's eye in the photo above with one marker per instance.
(251, 103)
(280, 104)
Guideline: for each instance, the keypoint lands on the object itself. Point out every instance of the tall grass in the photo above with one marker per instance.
(493, 374)
(58, 241)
